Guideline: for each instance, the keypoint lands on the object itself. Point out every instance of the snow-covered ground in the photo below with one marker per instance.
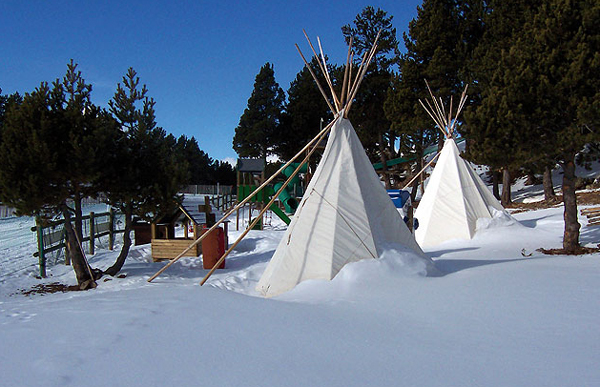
(494, 317)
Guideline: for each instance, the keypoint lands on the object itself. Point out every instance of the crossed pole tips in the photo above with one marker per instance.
(443, 121)
(341, 104)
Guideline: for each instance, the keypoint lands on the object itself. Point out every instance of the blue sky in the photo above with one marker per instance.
(197, 58)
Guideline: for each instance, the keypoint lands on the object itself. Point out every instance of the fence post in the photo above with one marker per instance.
(40, 240)
(92, 234)
(111, 229)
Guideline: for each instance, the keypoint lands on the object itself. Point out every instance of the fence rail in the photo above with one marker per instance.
(51, 235)
(223, 202)
(199, 189)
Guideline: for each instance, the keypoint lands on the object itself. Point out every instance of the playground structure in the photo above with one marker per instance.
(251, 174)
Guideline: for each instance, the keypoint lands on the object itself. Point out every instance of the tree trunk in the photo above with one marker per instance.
(415, 186)
(78, 215)
(496, 184)
(505, 199)
(118, 265)
(383, 158)
(549, 194)
(571, 234)
(80, 265)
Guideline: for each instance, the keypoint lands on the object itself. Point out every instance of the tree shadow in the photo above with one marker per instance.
(532, 223)
(451, 266)
(589, 235)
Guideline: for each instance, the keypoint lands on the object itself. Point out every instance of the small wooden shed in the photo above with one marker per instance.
(194, 214)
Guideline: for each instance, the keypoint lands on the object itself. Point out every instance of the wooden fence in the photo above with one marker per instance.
(51, 235)
(5, 211)
(223, 202)
(208, 189)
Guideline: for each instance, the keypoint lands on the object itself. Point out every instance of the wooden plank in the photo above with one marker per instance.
(586, 211)
(170, 248)
(592, 214)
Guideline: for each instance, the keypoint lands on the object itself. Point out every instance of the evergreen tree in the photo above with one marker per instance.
(6, 101)
(224, 173)
(494, 125)
(145, 173)
(51, 153)
(254, 136)
(557, 66)
(200, 164)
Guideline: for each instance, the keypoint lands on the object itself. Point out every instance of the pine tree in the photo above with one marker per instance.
(254, 136)
(201, 169)
(144, 175)
(367, 115)
(558, 69)
(51, 154)
(494, 124)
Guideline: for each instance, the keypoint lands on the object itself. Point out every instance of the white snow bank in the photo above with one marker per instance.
(500, 218)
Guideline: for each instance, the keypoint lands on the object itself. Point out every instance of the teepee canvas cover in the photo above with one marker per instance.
(455, 196)
(454, 199)
(345, 216)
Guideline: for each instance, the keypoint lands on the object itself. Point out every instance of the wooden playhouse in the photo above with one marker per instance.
(173, 233)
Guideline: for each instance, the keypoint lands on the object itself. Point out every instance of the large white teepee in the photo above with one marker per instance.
(455, 197)
(345, 214)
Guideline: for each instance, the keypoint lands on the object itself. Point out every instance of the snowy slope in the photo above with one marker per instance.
(492, 318)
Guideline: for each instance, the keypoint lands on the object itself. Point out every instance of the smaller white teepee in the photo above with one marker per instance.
(455, 197)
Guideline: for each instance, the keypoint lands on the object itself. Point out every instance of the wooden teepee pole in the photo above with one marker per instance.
(362, 76)
(335, 98)
(346, 74)
(351, 65)
(243, 202)
(432, 115)
(421, 171)
(317, 81)
(327, 76)
(266, 207)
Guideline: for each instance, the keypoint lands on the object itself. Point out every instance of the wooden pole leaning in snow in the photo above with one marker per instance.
(243, 202)
(266, 207)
